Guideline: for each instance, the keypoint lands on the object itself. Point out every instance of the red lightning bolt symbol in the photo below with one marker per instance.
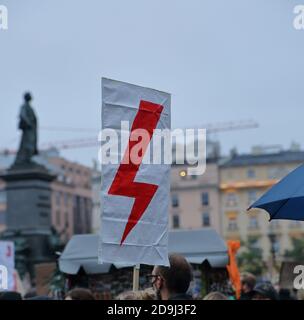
(123, 184)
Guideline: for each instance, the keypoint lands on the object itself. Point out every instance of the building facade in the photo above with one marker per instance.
(71, 202)
(243, 179)
(71, 198)
(195, 199)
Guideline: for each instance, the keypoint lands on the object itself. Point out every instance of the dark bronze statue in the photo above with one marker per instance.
(28, 125)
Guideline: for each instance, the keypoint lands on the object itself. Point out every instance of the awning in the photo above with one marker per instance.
(81, 251)
(197, 246)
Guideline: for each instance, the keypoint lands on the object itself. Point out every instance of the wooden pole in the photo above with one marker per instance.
(136, 277)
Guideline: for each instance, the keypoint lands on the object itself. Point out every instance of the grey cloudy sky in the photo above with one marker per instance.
(221, 60)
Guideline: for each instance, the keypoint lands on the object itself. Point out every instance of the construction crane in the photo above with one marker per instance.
(230, 126)
(93, 141)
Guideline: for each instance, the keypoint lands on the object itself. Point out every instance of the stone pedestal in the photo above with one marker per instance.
(28, 215)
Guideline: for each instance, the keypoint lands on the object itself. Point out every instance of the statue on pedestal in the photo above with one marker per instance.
(29, 207)
(28, 125)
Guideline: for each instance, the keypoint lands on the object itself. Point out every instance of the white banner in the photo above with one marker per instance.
(135, 194)
(7, 265)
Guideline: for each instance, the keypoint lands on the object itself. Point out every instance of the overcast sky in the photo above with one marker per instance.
(221, 60)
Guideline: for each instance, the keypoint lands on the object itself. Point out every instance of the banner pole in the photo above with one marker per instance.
(136, 277)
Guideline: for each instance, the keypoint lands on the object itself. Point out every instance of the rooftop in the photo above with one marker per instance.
(264, 159)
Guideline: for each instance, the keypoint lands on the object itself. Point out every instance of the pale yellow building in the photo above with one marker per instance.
(243, 179)
(195, 199)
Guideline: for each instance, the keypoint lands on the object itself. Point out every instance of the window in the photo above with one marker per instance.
(66, 215)
(175, 222)
(175, 201)
(276, 246)
(206, 219)
(205, 199)
(66, 199)
(254, 242)
(252, 196)
(76, 201)
(58, 218)
(231, 200)
(58, 196)
(68, 180)
(232, 224)
(250, 173)
(253, 222)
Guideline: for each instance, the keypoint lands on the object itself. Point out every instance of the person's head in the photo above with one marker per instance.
(264, 291)
(147, 294)
(128, 295)
(168, 281)
(27, 97)
(248, 281)
(79, 294)
(215, 296)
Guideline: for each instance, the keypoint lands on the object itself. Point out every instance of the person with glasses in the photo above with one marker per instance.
(172, 283)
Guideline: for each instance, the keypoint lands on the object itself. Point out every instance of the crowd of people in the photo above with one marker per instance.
(172, 283)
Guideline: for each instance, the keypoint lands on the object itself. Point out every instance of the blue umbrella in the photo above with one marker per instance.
(285, 200)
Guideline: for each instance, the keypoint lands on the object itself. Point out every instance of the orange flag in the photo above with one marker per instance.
(233, 271)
